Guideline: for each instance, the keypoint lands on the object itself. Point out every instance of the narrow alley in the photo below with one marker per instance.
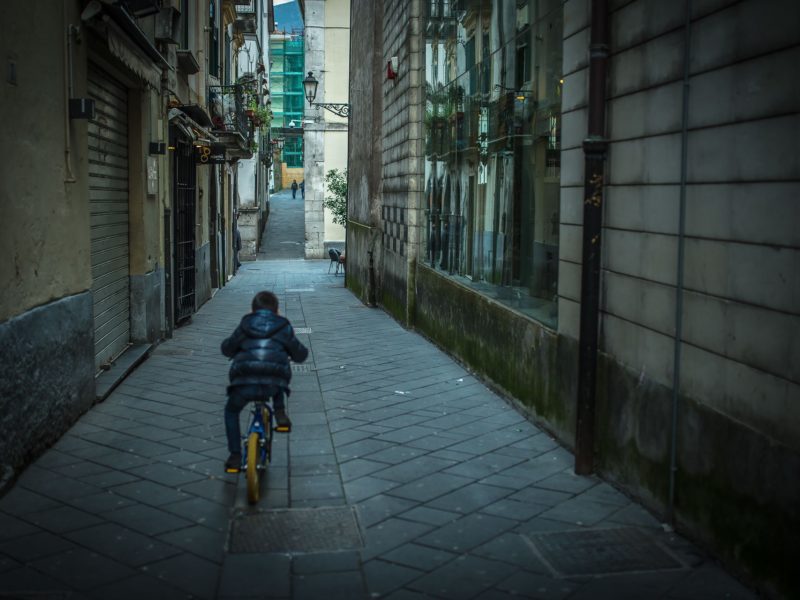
(404, 477)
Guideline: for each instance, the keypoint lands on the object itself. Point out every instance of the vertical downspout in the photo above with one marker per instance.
(676, 361)
(594, 147)
(69, 29)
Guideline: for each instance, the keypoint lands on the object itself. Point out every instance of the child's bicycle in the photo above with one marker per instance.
(257, 450)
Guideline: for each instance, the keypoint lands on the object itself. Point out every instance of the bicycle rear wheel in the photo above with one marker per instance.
(253, 457)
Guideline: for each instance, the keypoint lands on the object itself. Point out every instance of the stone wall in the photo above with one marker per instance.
(738, 424)
(147, 292)
(365, 146)
(738, 428)
(400, 213)
(46, 377)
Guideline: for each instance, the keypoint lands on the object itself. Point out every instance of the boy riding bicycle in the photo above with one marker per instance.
(261, 347)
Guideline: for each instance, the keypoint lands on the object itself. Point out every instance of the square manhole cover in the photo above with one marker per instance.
(596, 551)
(297, 530)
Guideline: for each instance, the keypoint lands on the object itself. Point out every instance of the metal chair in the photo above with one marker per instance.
(334, 255)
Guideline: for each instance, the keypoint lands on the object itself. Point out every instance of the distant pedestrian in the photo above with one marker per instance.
(303, 189)
(261, 347)
(294, 188)
(237, 240)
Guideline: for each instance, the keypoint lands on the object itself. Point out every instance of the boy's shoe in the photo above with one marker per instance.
(234, 463)
(282, 422)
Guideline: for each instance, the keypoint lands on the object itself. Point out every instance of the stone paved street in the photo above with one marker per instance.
(438, 487)
(285, 235)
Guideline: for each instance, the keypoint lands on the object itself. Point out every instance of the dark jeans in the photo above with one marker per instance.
(240, 396)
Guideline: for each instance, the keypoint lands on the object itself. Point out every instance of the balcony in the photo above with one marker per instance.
(229, 121)
(246, 17)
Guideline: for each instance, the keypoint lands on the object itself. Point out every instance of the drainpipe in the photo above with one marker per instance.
(69, 31)
(594, 147)
(676, 361)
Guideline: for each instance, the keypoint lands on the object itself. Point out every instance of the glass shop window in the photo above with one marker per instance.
(492, 148)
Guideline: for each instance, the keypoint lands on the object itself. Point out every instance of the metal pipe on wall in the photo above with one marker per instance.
(68, 32)
(594, 147)
(676, 368)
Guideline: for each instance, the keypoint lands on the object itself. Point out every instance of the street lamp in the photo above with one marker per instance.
(310, 85)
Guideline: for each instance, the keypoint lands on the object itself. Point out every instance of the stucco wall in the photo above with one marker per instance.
(327, 43)
(44, 215)
(336, 158)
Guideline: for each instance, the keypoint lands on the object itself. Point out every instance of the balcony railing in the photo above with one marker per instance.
(229, 120)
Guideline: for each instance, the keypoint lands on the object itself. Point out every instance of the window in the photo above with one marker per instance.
(492, 168)
(213, 39)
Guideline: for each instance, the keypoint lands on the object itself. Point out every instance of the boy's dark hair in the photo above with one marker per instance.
(265, 300)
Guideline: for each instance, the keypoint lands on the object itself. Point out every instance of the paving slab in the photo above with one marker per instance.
(448, 491)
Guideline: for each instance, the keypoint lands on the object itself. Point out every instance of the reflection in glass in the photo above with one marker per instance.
(493, 128)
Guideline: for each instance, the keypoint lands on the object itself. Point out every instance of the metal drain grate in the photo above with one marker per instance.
(297, 530)
(597, 551)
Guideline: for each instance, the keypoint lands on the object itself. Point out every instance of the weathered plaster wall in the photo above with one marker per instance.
(146, 306)
(249, 228)
(202, 257)
(44, 215)
(336, 158)
(314, 132)
(46, 321)
(325, 140)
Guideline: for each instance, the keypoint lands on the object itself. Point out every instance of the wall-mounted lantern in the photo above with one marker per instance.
(310, 85)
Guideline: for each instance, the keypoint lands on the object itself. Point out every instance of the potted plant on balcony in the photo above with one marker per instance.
(260, 115)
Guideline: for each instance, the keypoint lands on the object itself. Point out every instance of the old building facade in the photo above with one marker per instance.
(119, 199)
(522, 141)
(327, 44)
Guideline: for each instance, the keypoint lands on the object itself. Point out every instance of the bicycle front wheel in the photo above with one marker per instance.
(253, 455)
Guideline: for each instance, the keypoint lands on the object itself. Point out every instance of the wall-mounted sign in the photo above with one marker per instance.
(213, 154)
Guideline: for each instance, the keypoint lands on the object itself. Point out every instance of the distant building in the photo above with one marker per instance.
(286, 93)
(327, 44)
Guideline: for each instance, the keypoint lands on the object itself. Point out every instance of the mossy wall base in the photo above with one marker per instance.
(521, 357)
(393, 296)
(736, 491)
(357, 274)
(46, 377)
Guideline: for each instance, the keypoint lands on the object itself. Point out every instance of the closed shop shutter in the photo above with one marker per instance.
(108, 204)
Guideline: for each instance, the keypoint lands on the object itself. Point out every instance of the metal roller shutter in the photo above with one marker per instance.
(108, 205)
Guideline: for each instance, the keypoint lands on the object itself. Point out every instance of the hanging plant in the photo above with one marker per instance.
(260, 115)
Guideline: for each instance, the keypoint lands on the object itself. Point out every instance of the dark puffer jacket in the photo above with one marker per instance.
(261, 347)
